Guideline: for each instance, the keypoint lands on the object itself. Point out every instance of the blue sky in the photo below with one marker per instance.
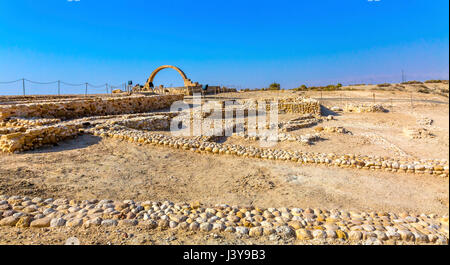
(240, 43)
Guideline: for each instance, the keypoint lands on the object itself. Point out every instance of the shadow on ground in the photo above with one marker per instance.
(79, 142)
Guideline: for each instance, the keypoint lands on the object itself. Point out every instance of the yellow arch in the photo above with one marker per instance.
(187, 82)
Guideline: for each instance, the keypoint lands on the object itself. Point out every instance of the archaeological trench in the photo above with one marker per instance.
(28, 125)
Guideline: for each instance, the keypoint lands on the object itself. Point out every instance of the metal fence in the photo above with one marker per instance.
(28, 87)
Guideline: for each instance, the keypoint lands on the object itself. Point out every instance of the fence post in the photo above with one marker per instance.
(106, 88)
(59, 87)
(373, 97)
(85, 92)
(23, 86)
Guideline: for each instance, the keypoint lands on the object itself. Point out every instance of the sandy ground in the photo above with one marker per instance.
(88, 167)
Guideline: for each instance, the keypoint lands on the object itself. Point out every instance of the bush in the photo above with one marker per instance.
(436, 81)
(411, 82)
(274, 86)
(424, 90)
(300, 88)
(384, 85)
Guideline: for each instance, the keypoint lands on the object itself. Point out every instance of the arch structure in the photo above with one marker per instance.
(187, 81)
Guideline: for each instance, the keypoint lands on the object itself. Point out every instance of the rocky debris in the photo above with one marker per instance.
(359, 108)
(274, 223)
(332, 129)
(306, 139)
(417, 133)
(425, 121)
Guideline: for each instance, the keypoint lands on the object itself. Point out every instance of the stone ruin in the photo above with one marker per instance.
(31, 125)
(26, 126)
(360, 108)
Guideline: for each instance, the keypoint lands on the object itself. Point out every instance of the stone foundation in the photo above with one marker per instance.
(28, 126)
(36, 137)
(296, 223)
(89, 107)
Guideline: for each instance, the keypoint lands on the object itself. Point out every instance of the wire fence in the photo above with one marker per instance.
(29, 87)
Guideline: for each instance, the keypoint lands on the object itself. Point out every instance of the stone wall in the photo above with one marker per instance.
(28, 126)
(89, 107)
(155, 123)
(300, 105)
(36, 137)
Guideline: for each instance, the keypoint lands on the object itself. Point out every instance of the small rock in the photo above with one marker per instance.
(55, 222)
(40, 223)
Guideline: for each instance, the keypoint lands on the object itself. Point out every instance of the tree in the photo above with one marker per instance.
(274, 86)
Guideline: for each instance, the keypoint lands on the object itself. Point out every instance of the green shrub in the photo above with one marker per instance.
(436, 81)
(411, 82)
(424, 90)
(274, 86)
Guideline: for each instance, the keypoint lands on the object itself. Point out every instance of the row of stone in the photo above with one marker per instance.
(88, 107)
(304, 224)
(360, 108)
(436, 167)
(306, 139)
(20, 122)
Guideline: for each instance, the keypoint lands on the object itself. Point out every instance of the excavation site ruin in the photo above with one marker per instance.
(358, 165)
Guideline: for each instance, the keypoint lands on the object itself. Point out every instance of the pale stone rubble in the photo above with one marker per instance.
(428, 166)
(359, 108)
(303, 224)
(306, 139)
(417, 133)
(332, 129)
